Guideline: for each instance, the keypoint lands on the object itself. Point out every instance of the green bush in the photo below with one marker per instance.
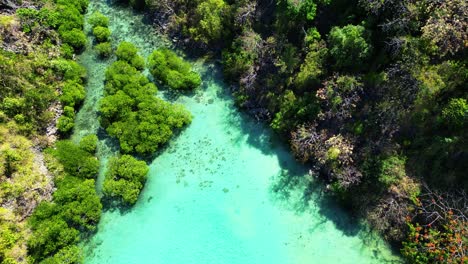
(50, 236)
(349, 45)
(65, 124)
(56, 225)
(76, 161)
(97, 19)
(138, 62)
(80, 5)
(131, 112)
(313, 68)
(66, 255)
(67, 51)
(75, 38)
(67, 121)
(102, 34)
(80, 206)
(73, 94)
(69, 18)
(127, 52)
(455, 114)
(104, 49)
(70, 70)
(392, 170)
(210, 16)
(89, 143)
(125, 178)
(171, 70)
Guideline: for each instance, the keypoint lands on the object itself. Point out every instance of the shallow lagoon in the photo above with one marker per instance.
(223, 191)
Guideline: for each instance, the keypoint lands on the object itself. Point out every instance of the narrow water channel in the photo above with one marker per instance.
(223, 191)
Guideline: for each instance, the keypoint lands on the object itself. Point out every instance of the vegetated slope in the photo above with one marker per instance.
(372, 94)
(48, 200)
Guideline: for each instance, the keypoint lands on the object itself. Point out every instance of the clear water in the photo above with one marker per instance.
(223, 191)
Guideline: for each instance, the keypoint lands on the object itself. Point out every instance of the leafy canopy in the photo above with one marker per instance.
(172, 70)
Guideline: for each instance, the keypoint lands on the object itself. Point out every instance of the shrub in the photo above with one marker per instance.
(75, 38)
(102, 34)
(392, 170)
(65, 124)
(89, 143)
(76, 161)
(73, 94)
(56, 225)
(210, 16)
(70, 70)
(97, 19)
(104, 49)
(125, 178)
(349, 45)
(168, 68)
(67, 51)
(127, 52)
(455, 114)
(131, 112)
(66, 121)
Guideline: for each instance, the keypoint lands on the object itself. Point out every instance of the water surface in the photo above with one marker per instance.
(223, 191)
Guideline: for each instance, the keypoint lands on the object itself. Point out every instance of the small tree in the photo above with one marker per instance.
(349, 45)
(209, 16)
(102, 34)
(97, 19)
(125, 178)
(455, 114)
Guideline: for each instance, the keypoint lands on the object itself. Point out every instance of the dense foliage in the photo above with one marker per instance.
(104, 49)
(130, 110)
(21, 186)
(66, 17)
(100, 29)
(372, 93)
(173, 71)
(75, 209)
(125, 178)
(32, 82)
(41, 88)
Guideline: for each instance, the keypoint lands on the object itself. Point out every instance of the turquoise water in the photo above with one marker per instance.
(223, 191)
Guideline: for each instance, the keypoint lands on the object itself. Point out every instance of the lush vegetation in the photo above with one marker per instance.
(173, 71)
(125, 178)
(66, 17)
(142, 122)
(130, 110)
(372, 93)
(100, 29)
(59, 225)
(21, 186)
(32, 80)
(41, 88)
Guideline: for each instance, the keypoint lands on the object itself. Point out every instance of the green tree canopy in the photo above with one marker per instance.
(349, 46)
(131, 112)
(102, 34)
(172, 70)
(125, 178)
(209, 17)
(97, 19)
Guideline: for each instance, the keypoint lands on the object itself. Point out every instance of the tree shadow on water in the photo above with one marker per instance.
(301, 193)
